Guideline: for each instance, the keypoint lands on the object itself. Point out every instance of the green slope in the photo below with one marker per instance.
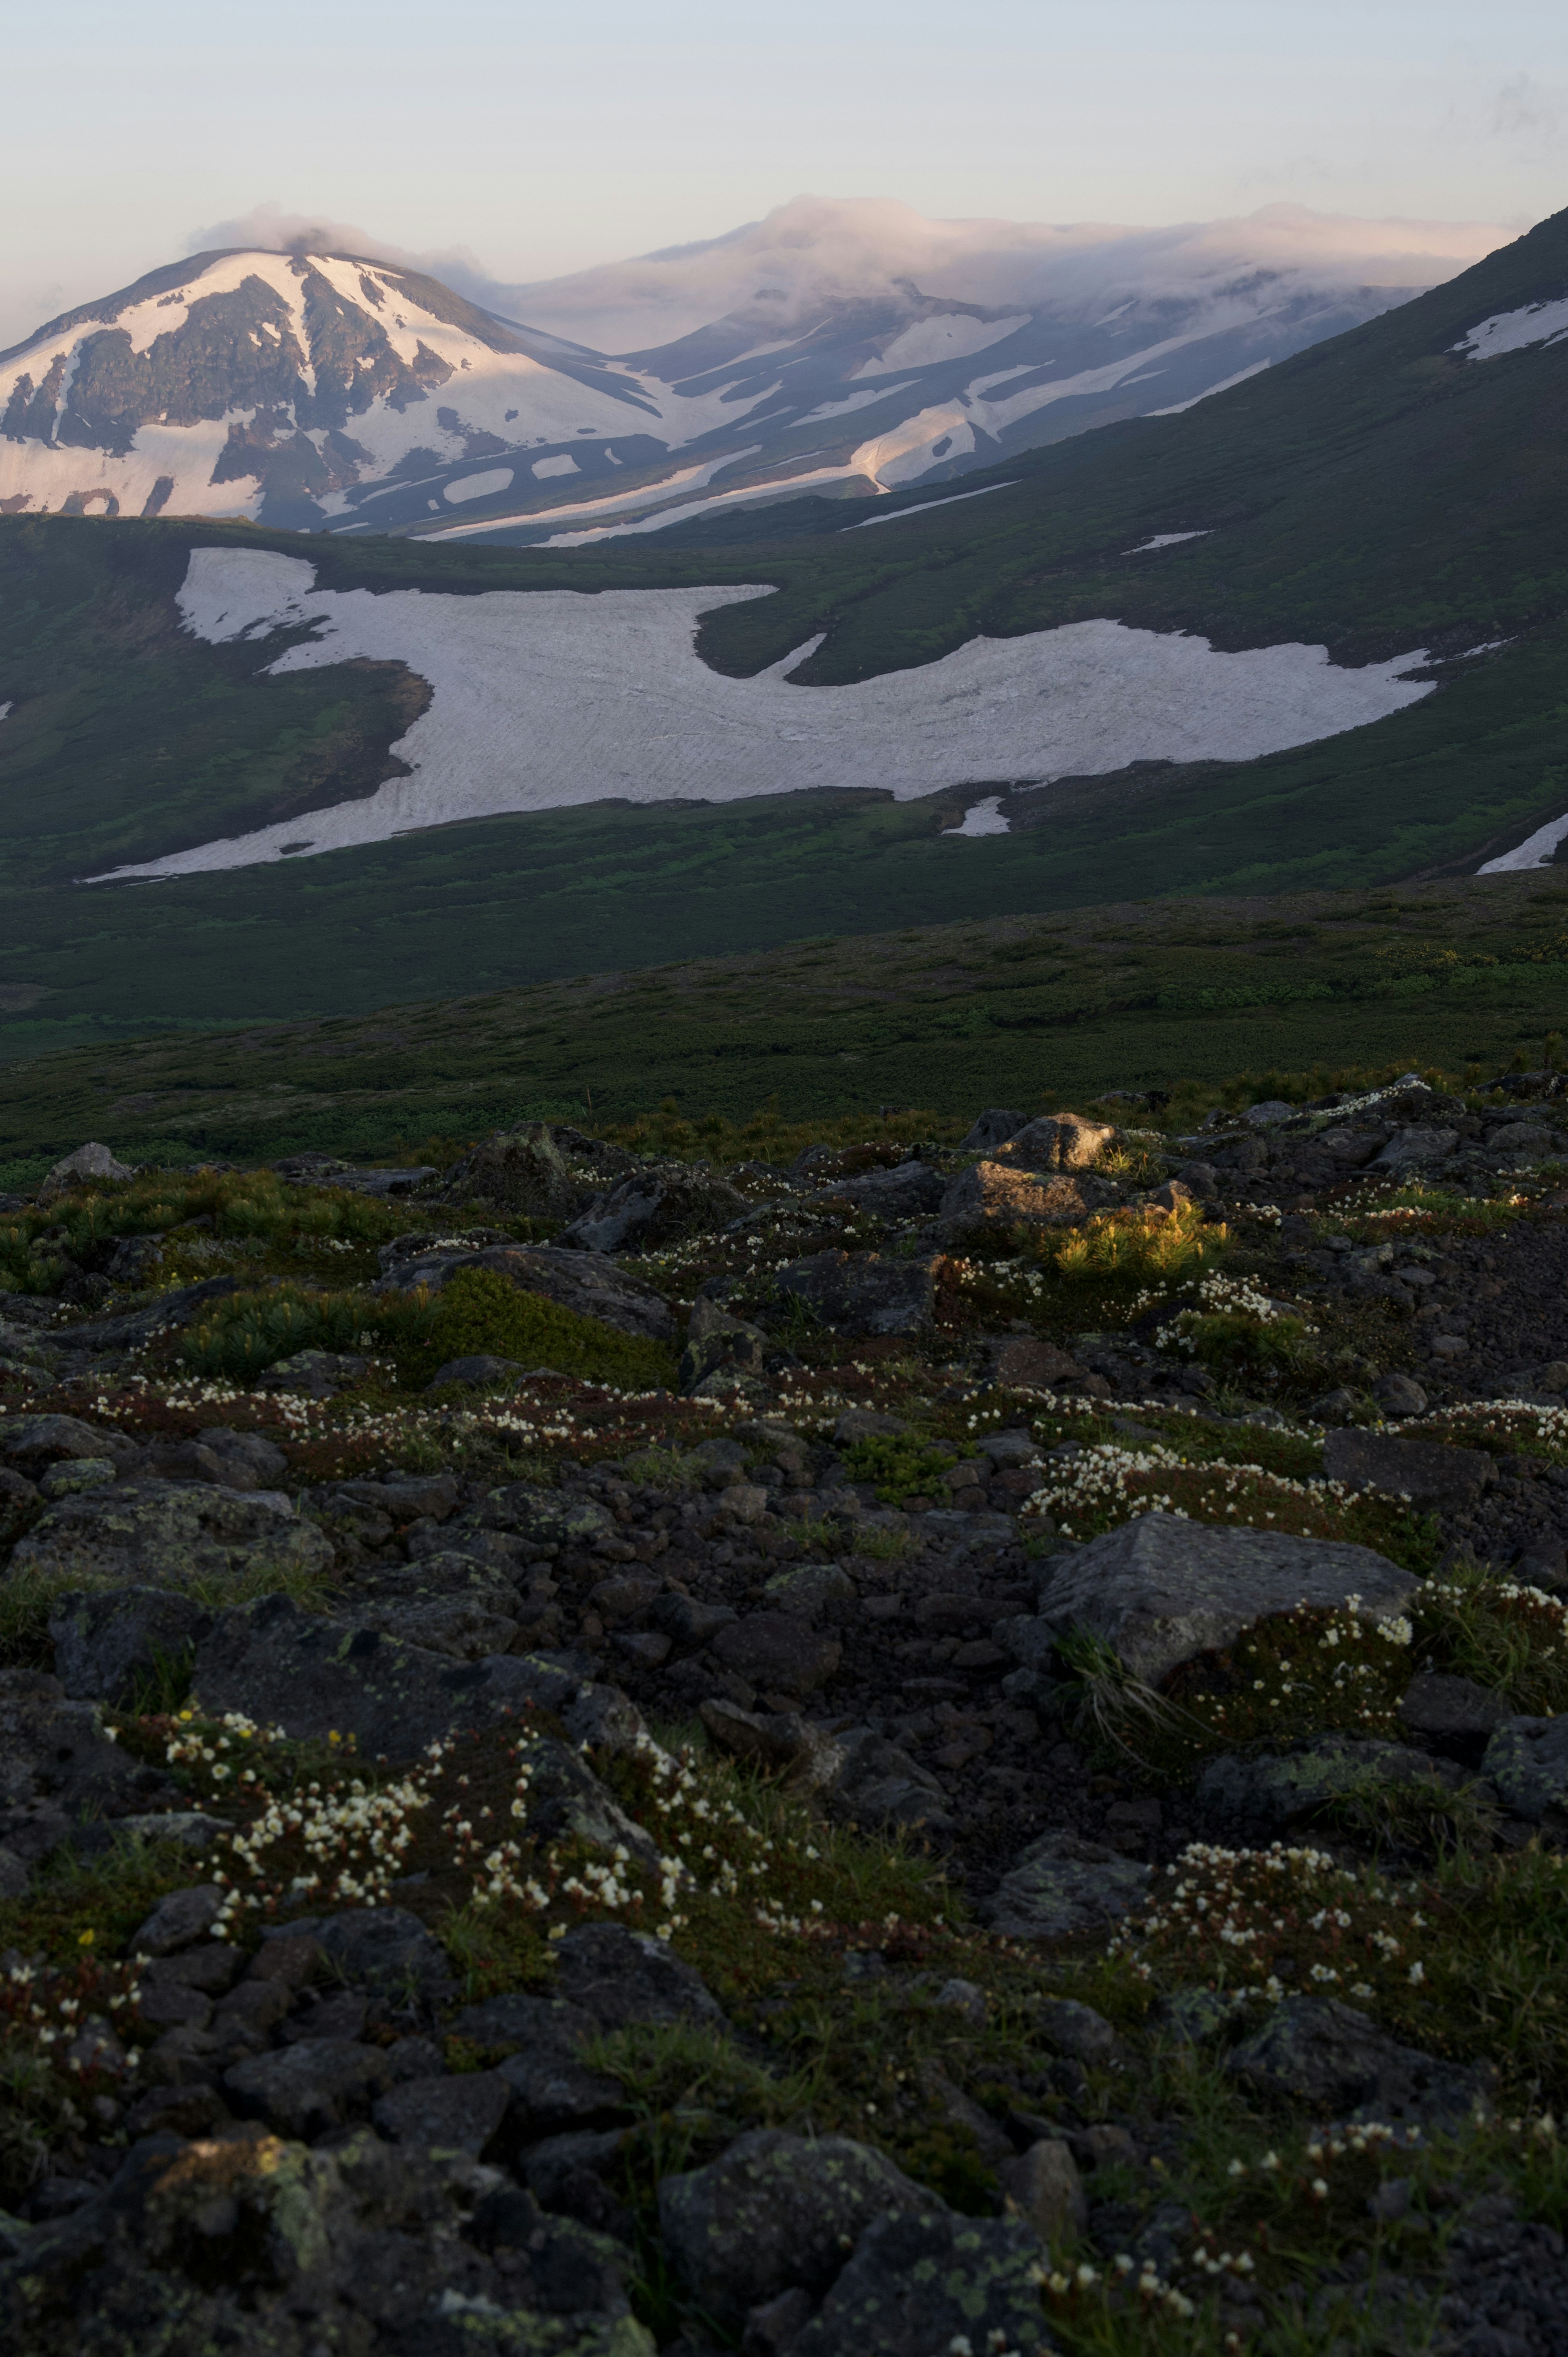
(1375, 494)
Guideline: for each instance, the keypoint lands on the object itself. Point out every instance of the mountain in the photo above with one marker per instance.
(1311, 633)
(856, 348)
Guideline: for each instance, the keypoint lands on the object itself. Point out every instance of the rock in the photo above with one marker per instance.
(918, 2284)
(880, 1785)
(310, 1674)
(1061, 1886)
(688, 1621)
(74, 1475)
(1162, 1590)
(808, 1589)
(627, 1978)
(718, 1342)
(581, 1281)
(89, 1162)
(1009, 1447)
(1425, 1471)
(404, 1497)
(1527, 1759)
(781, 1741)
(524, 1169)
(547, 1518)
(555, 2093)
(1077, 2029)
(1400, 1395)
(663, 1205)
(1269, 1112)
(481, 1371)
(1061, 1141)
(906, 1191)
(106, 1642)
(992, 1128)
(855, 1423)
(171, 1534)
(1044, 2188)
(177, 1921)
(567, 1802)
(1025, 1362)
(129, 1329)
(464, 1628)
(35, 1441)
(305, 2089)
(1200, 1178)
(1268, 1792)
(314, 1374)
(1327, 2054)
(383, 1949)
(1435, 1704)
(57, 1765)
(1415, 1148)
(965, 1997)
(453, 2113)
(864, 1292)
(773, 2211)
(774, 1650)
(994, 1195)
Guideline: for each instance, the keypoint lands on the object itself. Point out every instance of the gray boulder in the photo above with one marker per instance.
(172, 1534)
(992, 1128)
(1162, 1589)
(384, 1949)
(1413, 1148)
(462, 2113)
(995, 1195)
(1268, 1792)
(128, 1329)
(1058, 1141)
(922, 2284)
(781, 1742)
(1428, 1473)
(878, 1784)
(1321, 2052)
(1436, 1705)
(1062, 1886)
(56, 1767)
(305, 2089)
(623, 1979)
(547, 1518)
(1527, 1759)
(524, 1169)
(88, 1163)
(31, 1442)
(864, 1292)
(773, 2211)
(581, 1281)
(663, 1205)
(908, 1191)
(107, 1639)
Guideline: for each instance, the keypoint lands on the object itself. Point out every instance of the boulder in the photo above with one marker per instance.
(32, 1442)
(1429, 1474)
(1527, 1759)
(1029, 1362)
(482, 1370)
(780, 1741)
(88, 1163)
(1058, 1141)
(626, 1979)
(878, 1784)
(992, 1128)
(992, 1195)
(1321, 2052)
(1266, 1792)
(463, 2112)
(178, 1921)
(547, 1518)
(908, 1191)
(314, 1374)
(1062, 1886)
(384, 1949)
(1416, 1146)
(1162, 1589)
(57, 1765)
(661, 1205)
(1399, 1394)
(773, 2211)
(1436, 1705)
(1044, 2188)
(311, 1676)
(129, 1329)
(172, 1534)
(926, 2284)
(524, 1169)
(108, 1638)
(581, 1281)
(806, 1589)
(718, 1342)
(864, 1292)
(305, 2089)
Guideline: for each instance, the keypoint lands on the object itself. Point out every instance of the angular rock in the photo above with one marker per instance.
(1058, 1141)
(906, 1191)
(782, 1741)
(171, 1534)
(178, 1920)
(465, 1627)
(994, 1195)
(305, 2088)
(33, 1441)
(1077, 2029)
(524, 1169)
(1327, 2054)
(881, 1785)
(1527, 1759)
(1425, 1471)
(1399, 1394)
(460, 2113)
(1027, 1363)
(583, 1283)
(314, 1374)
(1267, 1792)
(128, 1329)
(383, 1949)
(1061, 1886)
(774, 1650)
(918, 2284)
(773, 2211)
(1413, 1148)
(88, 1163)
(310, 1674)
(627, 1979)
(55, 1765)
(1044, 2188)
(992, 1128)
(864, 1292)
(547, 1518)
(484, 1369)
(1435, 1704)
(808, 1589)
(567, 1802)
(1162, 1589)
(663, 1205)
(106, 1642)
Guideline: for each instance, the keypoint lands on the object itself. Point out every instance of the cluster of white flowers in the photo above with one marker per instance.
(1109, 1478)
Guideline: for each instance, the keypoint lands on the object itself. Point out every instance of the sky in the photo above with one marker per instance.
(518, 142)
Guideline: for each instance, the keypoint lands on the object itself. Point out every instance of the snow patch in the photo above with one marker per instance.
(479, 487)
(1515, 331)
(1535, 850)
(950, 336)
(854, 401)
(549, 699)
(562, 464)
(1180, 408)
(1166, 540)
(981, 818)
(925, 507)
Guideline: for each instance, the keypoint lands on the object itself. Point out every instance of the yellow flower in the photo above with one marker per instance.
(333, 1736)
(85, 1939)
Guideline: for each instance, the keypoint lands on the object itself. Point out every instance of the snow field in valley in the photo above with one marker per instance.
(553, 699)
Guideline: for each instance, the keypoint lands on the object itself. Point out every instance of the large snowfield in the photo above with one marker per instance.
(552, 699)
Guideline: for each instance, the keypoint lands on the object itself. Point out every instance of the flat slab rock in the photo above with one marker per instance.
(865, 1293)
(1062, 1886)
(1270, 1791)
(1327, 2054)
(583, 1281)
(170, 1534)
(1162, 1590)
(1424, 1471)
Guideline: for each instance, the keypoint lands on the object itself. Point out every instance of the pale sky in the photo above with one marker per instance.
(544, 139)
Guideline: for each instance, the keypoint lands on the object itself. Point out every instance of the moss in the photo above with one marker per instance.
(482, 1312)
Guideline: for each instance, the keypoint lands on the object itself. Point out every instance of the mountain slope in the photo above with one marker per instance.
(334, 391)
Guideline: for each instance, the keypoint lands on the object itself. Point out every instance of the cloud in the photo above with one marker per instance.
(273, 228)
(1523, 109)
